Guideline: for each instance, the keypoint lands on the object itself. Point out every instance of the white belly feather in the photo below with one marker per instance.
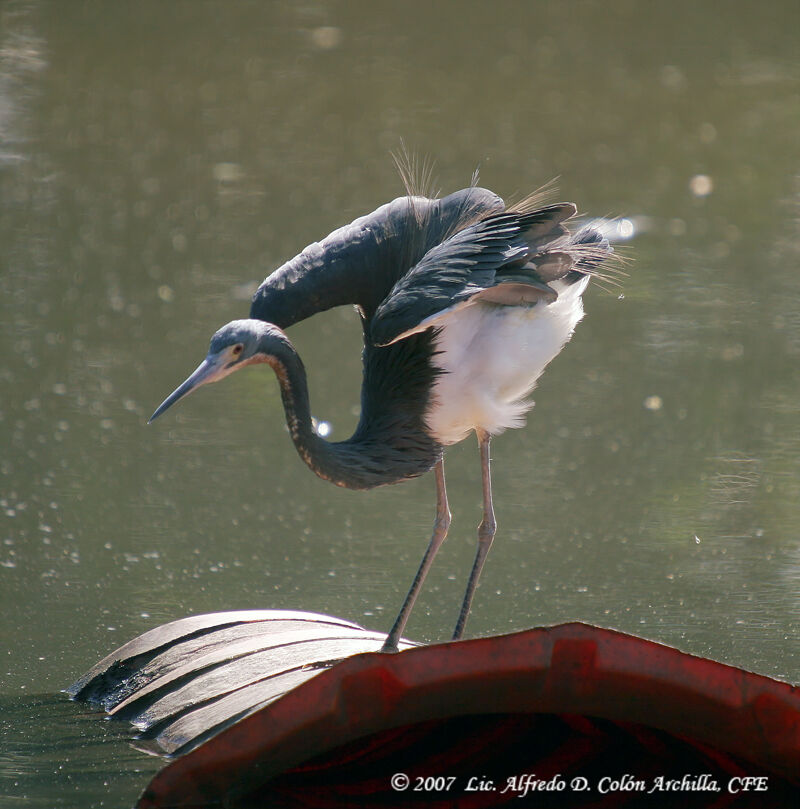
(491, 357)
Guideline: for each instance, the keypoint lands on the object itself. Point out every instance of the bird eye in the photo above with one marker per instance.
(237, 349)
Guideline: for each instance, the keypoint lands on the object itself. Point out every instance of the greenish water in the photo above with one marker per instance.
(158, 159)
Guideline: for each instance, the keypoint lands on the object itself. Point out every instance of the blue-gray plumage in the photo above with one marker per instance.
(463, 302)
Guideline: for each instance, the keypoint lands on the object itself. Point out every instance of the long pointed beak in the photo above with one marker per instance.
(209, 370)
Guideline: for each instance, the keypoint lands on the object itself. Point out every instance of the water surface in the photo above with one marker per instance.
(157, 160)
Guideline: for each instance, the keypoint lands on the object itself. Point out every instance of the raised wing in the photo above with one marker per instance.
(361, 262)
(507, 258)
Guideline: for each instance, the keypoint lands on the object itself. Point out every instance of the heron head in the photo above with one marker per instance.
(235, 345)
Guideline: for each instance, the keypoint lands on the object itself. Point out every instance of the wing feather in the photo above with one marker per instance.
(507, 258)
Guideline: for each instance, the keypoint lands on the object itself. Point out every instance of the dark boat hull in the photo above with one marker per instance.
(258, 711)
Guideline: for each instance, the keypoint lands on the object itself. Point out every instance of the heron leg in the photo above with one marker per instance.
(486, 532)
(440, 526)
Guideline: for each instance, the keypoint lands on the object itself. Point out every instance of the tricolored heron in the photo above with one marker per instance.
(463, 302)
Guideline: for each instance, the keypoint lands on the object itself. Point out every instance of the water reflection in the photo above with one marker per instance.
(54, 753)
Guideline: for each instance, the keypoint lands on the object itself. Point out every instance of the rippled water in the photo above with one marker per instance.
(157, 160)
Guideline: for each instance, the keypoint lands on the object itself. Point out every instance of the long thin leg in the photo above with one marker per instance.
(440, 526)
(486, 532)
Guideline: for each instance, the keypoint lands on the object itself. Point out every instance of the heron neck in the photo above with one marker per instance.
(372, 456)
